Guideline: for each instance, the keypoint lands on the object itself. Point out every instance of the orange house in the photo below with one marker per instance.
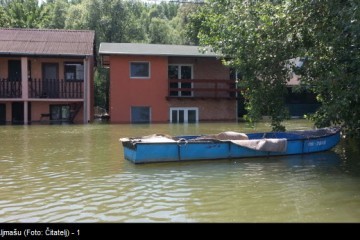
(46, 76)
(153, 83)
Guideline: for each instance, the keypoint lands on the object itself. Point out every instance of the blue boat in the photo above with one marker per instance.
(228, 145)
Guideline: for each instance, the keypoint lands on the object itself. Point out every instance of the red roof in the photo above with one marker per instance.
(46, 42)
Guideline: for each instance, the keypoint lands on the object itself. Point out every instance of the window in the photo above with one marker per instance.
(139, 69)
(60, 112)
(184, 115)
(74, 71)
(140, 115)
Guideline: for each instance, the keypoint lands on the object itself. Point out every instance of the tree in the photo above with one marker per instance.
(25, 14)
(331, 41)
(102, 87)
(252, 36)
(180, 23)
(159, 31)
(259, 38)
(4, 20)
(57, 13)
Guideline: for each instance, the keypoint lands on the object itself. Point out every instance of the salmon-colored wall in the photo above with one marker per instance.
(38, 108)
(36, 66)
(126, 92)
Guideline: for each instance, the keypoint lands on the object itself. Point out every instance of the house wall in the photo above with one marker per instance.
(42, 106)
(210, 109)
(205, 69)
(3, 68)
(38, 108)
(152, 92)
(126, 92)
(36, 66)
(7, 110)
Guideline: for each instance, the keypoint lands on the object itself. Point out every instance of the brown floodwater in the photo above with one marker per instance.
(77, 173)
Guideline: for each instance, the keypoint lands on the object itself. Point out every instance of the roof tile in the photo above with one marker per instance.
(46, 42)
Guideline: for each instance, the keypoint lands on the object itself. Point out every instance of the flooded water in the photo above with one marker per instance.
(77, 173)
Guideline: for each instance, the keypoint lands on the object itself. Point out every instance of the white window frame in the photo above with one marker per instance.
(79, 68)
(186, 117)
(135, 77)
(179, 77)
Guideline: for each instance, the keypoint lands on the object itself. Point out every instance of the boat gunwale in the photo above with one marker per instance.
(184, 141)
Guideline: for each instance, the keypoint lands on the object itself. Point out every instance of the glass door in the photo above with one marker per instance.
(184, 115)
(184, 72)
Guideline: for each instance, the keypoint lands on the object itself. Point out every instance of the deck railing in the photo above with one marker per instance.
(202, 88)
(42, 88)
(10, 88)
(55, 88)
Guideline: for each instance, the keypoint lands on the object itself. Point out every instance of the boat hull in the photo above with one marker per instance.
(205, 150)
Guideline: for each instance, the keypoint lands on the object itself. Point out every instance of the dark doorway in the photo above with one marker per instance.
(18, 113)
(14, 70)
(50, 73)
(2, 113)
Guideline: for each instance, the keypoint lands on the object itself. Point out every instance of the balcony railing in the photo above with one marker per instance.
(10, 88)
(42, 88)
(55, 88)
(202, 88)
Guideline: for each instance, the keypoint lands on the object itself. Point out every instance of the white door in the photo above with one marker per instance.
(184, 115)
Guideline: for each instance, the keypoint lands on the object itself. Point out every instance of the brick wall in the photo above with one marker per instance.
(210, 109)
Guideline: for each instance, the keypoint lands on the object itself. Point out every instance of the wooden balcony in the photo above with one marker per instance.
(202, 88)
(55, 88)
(43, 88)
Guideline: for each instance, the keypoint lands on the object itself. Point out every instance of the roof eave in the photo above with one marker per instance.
(44, 54)
(159, 54)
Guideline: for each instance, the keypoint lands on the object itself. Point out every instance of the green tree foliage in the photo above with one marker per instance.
(252, 36)
(57, 10)
(24, 14)
(102, 87)
(112, 21)
(4, 19)
(330, 38)
(259, 37)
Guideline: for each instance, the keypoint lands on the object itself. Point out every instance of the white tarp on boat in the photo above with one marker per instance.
(228, 135)
(240, 139)
(154, 138)
(266, 144)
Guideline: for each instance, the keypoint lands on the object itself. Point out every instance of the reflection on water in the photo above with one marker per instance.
(78, 174)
